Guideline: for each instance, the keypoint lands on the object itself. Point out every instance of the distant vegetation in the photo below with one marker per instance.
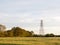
(19, 32)
(16, 32)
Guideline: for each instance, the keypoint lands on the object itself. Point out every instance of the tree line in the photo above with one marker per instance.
(19, 32)
(16, 32)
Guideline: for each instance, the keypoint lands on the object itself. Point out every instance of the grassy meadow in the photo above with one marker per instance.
(29, 41)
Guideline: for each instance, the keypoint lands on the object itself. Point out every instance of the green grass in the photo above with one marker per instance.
(29, 40)
(10, 44)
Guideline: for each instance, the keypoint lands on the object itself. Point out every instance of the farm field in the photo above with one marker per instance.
(29, 40)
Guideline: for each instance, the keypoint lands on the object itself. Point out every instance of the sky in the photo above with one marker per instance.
(28, 13)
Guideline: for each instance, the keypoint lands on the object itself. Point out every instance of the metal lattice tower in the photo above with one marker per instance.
(41, 28)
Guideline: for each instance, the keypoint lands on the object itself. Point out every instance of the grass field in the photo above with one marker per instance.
(29, 41)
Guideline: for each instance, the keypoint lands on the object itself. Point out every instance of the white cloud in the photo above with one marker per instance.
(55, 30)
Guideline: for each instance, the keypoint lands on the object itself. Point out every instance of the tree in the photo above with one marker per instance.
(2, 34)
(49, 35)
(16, 32)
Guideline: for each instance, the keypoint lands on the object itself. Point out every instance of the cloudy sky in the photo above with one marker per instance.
(28, 13)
